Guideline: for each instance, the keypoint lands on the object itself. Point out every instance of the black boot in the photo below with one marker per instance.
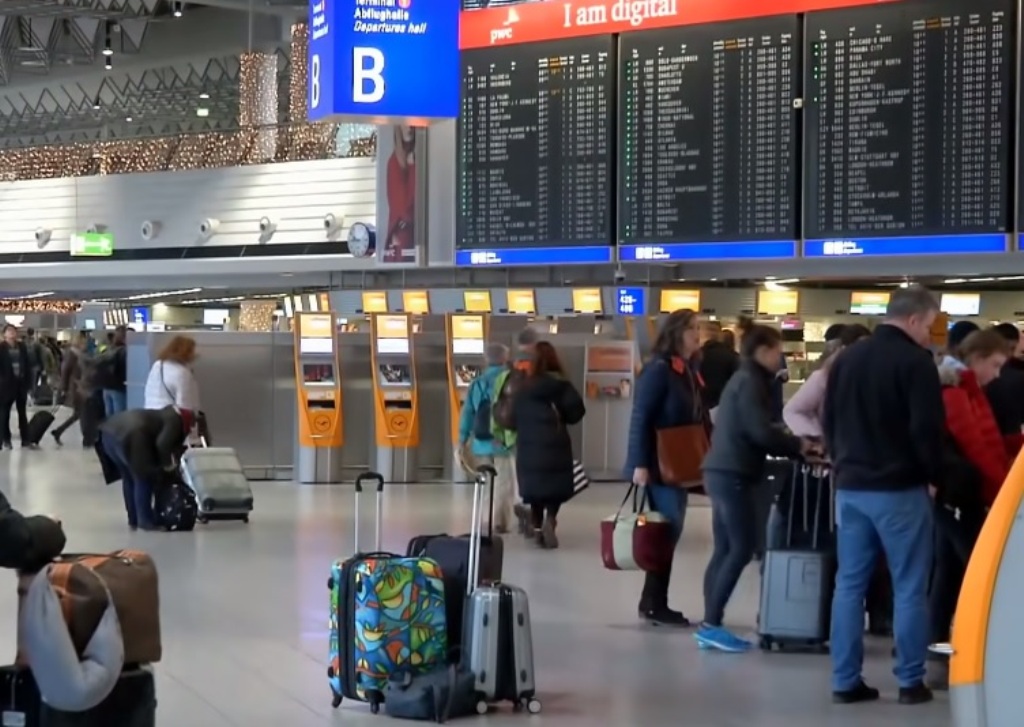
(653, 606)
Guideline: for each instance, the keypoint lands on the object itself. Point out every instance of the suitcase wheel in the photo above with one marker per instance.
(374, 707)
(481, 707)
(204, 520)
(765, 643)
(335, 700)
(245, 519)
(533, 706)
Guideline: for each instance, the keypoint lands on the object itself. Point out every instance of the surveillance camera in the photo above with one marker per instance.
(42, 236)
(619, 276)
(208, 227)
(149, 229)
(330, 222)
(266, 225)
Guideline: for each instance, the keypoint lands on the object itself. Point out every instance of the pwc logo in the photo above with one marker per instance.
(505, 31)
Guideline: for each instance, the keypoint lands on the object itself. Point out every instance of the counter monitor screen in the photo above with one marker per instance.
(468, 346)
(392, 345)
(535, 145)
(708, 150)
(868, 303)
(960, 304)
(394, 375)
(318, 374)
(316, 345)
(907, 112)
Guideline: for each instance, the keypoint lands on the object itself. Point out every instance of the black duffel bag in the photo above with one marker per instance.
(436, 696)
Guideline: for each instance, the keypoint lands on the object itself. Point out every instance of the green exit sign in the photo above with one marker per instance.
(92, 244)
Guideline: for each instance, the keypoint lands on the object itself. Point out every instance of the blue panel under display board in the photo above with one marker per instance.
(589, 255)
(764, 250)
(630, 301)
(921, 245)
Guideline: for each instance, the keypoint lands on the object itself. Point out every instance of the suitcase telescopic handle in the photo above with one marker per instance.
(484, 475)
(378, 516)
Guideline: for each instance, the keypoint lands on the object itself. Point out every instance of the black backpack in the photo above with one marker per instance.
(482, 416)
(105, 370)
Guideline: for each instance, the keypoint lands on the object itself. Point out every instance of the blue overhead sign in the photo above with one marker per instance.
(630, 302)
(917, 245)
(396, 59)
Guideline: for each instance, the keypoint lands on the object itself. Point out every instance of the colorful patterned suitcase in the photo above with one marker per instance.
(387, 614)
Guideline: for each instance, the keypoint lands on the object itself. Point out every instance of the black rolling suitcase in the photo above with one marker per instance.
(39, 425)
(798, 575)
(20, 703)
(451, 552)
(131, 704)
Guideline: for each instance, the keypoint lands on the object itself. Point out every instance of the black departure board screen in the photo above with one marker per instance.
(709, 148)
(908, 119)
(535, 141)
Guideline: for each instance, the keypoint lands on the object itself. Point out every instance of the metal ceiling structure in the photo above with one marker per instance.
(140, 99)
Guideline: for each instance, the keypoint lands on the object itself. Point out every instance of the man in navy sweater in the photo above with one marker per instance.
(883, 422)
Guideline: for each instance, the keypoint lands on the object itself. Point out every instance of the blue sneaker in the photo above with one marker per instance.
(720, 639)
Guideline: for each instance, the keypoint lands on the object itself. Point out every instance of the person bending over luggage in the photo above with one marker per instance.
(745, 433)
(142, 445)
(669, 393)
(475, 429)
(15, 383)
(976, 466)
(543, 408)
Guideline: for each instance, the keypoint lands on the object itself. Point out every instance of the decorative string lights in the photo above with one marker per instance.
(256, 316)
(298, 78)
(257, 110)
(39, 306)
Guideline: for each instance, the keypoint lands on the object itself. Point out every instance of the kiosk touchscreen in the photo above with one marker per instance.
(466, 340)
(394, 382)
(317, 381)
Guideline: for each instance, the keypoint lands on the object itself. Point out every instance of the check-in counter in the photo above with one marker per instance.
(319, 399)
(396, 402)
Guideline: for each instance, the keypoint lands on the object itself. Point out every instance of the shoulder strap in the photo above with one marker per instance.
(163, 382)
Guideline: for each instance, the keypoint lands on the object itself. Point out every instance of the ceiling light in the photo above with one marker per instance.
(202, 112)
(204, 95)
(176, 8)
(95, 105)
(108, 63)
(107, 50)
(128, 119)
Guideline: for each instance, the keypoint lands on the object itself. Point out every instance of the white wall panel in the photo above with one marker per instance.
(296, 195)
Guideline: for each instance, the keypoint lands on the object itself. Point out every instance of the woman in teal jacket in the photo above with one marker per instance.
(475, 426)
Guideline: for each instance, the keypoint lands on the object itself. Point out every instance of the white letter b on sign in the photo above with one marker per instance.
(314, 81)
(367, 75)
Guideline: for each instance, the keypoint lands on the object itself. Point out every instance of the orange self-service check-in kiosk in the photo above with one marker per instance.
(395, 397)
(466, 339)
(318, 381)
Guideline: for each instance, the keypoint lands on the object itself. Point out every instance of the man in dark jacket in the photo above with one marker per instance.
(112, 373)
(884, 424)
(1006, 393)
(139, 447)
(15, 383)
(718, 362)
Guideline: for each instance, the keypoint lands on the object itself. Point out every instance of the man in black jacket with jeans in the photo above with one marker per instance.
(884, 422)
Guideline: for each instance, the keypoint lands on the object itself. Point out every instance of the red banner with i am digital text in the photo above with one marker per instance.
(531, 22)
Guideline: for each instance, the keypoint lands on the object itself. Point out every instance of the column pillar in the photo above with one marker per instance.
(258, 102)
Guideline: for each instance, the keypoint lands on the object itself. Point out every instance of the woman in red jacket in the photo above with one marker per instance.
(974, 466)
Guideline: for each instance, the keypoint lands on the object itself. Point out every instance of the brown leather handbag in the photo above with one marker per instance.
(681, 449)
(131, 577)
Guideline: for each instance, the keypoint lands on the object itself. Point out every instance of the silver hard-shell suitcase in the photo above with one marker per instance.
(498, 639)
(221, 487)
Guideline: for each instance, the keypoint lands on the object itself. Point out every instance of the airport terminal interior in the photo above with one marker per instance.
(344, 203)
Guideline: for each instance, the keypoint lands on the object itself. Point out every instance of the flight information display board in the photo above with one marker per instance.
(535, 144)
(908, 136)
(709, 148)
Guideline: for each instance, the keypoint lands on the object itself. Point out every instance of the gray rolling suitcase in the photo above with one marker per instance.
(498, 639)
(797, 580)
(221, 487)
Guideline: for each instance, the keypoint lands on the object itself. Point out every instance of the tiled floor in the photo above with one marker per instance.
(244, 613)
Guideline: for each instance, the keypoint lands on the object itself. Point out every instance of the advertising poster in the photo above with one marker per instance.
(396, 197)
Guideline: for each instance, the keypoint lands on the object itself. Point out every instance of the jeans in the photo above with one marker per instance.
(670, 502)
(734, 527)
(114, 401)
(137, 493)
(870, 523)
(18, 399)
(505, 488)
(954, 541)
